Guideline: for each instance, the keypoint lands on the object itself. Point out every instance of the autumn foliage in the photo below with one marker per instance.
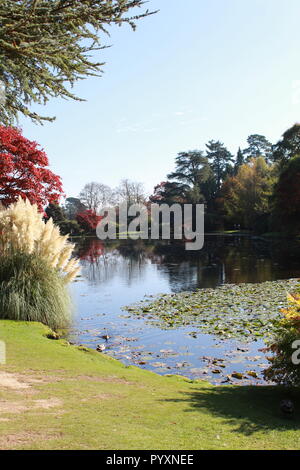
(24, 172)
(246, 196)
(88, 220)
(285, 346)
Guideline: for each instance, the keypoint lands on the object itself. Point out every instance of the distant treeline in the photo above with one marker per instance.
(258, 189)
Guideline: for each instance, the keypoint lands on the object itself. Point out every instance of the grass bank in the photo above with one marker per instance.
(57, 396)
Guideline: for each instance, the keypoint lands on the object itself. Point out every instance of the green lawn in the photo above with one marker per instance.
(57, 396)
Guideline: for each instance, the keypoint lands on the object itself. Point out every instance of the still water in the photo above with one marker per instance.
(115, 274)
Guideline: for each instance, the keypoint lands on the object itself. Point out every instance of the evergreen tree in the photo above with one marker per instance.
(288, 146)
(55, 212)
(239, 160)
(192, 172)
(73, 207)
(46, 46)
(286, 216)
(220, 160)
(259, 146)
(169, 192)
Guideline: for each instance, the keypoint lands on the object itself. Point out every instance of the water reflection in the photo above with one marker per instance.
(102, 262)
(116, 273)
(224, 259)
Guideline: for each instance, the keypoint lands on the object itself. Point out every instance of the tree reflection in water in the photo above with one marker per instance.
(101, 262)
(224, 259)
(119, 273)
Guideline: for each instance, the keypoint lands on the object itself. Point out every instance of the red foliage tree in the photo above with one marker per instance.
(88, 220)
(24, 172)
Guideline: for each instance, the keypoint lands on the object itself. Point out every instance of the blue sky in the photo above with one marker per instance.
(195, 71)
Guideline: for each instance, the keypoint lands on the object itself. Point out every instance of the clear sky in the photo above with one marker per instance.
(195, 71)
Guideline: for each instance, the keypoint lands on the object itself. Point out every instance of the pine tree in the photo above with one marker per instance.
(47, 45)
(239, 160)
(192, 172)
(259, 146)
(220, 160)
(288, 146)
(191, 168)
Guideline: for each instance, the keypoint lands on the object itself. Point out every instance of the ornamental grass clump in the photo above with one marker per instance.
(35, 267)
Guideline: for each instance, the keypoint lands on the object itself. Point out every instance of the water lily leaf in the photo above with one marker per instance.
(243, 311)
(252, 373)
(237, 375)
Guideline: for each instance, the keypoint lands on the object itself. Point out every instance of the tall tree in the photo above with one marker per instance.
(131, 192)
(96, 195)
(47, 45)
(247, 196)
(259, 146)
(24, 172)
(287, 198)
(55, 212)
(288, 146)
(169, 192)
(192, 168)
(239, 161)
(220, 159)
(195, 178)
(73, 206)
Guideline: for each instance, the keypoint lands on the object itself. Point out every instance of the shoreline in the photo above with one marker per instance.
(58, 396)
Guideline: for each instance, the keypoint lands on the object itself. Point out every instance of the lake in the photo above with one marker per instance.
(120, 273)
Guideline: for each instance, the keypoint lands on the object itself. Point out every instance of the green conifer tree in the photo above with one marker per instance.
(47, 45)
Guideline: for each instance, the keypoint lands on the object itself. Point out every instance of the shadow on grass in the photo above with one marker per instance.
(246, 409)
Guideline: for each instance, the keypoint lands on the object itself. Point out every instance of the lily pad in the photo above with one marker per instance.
(241, 311)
